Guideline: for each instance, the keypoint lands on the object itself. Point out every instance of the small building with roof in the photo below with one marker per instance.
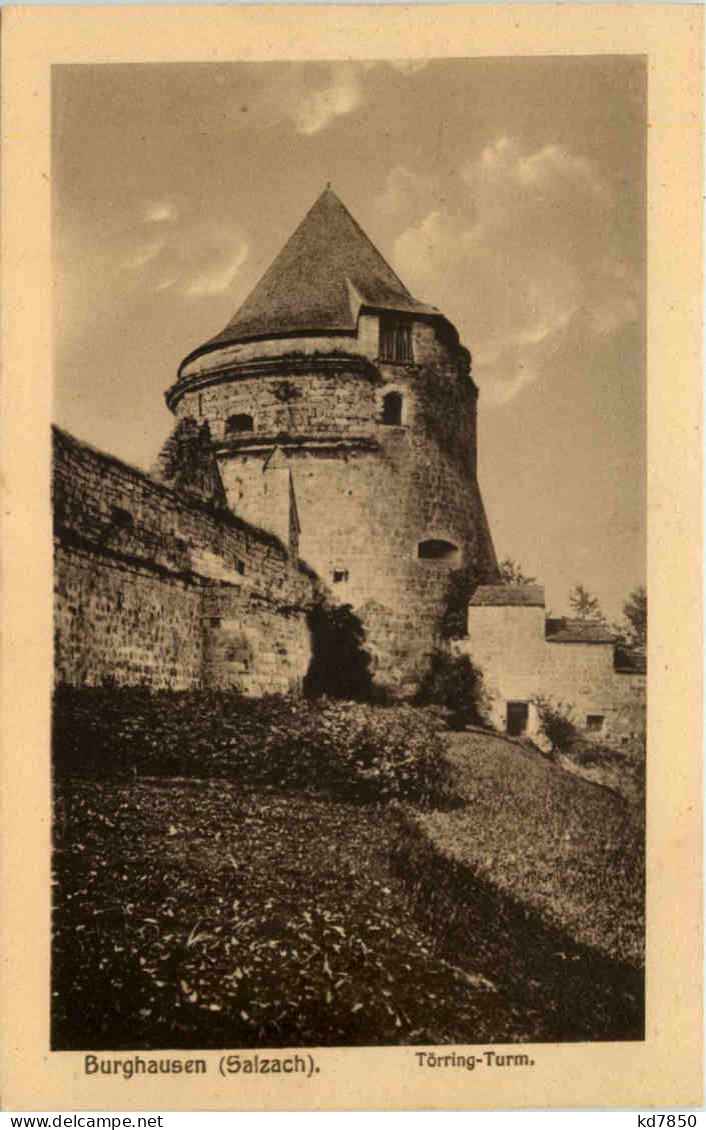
(524, 656)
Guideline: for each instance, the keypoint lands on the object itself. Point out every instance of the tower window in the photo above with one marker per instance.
(594, 723)
(436, 549)
(396, 341)
(241, 422)
(121, 518)
(392, 409)
(340, 575)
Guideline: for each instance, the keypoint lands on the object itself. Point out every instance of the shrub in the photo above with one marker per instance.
(455, 683)
(556, 722)
(353, 749)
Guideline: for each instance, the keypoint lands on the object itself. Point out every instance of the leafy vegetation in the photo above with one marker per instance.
(456, 684)
(232, 898)
(571, 851)
(511, 573)
(202, 914)
(556, 723)
(351, 749)
(635, 613)
(340, 665)
(584, 604)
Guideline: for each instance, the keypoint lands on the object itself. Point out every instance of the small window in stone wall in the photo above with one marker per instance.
(238, 423)
(437, 549)
(392, 409)
(594, 723)
(240, 566)
(121, 518)
(339, 576)
(119, 601)
(396, 341)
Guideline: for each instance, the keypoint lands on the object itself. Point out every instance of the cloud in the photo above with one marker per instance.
(532, 247)
(144, 251)
(314, 110)
(218, 273)
(195, 257)
(405, 194)
(159, 211)
(308, 97)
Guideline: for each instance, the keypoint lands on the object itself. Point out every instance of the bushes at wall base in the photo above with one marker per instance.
(456, 684)
(353, 750)
(556, 723)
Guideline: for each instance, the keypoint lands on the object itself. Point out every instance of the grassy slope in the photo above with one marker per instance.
(197, 913)
(210, 913)
(568, 849)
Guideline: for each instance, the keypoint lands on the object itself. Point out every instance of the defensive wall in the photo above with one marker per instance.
(161, 589)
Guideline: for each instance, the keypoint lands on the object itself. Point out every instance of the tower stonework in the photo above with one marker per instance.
(338, 403)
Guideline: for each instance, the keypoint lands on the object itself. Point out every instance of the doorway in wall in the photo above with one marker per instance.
(517, 715)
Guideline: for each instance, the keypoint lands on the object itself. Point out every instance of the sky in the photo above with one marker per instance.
(510, 193)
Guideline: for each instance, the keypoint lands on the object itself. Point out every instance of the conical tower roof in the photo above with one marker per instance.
(326, 271)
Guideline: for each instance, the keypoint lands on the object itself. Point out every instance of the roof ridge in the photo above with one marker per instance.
(306, 289)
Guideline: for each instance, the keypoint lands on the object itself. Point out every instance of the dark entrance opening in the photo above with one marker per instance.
(517, 715)
(392, 409)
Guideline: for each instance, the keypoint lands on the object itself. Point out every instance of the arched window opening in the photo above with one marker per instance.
(437, 549)
(392, 409)
(241, 422)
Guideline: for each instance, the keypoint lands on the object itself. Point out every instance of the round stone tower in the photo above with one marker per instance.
(343, 416)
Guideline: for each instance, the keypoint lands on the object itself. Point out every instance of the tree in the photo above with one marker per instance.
(635, 614)
(454, 682)
(584, 605)
(511, 573)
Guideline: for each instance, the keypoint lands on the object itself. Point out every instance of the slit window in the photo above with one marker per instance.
(121, 518)
(437, 549)
(396, 341)
(241, 422)
(594, 723)
(392, 409)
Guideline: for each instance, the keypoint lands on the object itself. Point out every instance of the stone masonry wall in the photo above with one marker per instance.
(366, 493)
(137, 569)
(519, 663)
(121, 624)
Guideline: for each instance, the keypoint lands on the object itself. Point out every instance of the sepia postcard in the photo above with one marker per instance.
(352, 443)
